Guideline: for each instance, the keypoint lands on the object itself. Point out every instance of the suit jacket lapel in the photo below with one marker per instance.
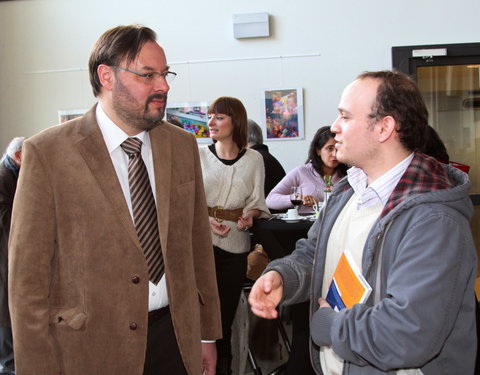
(94, 151)
(162, 164)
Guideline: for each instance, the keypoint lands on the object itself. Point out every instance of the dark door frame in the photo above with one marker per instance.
(402, 56)
(403, 61)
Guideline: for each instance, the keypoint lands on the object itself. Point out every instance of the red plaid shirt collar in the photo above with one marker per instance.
(423, 175)
(379, 191)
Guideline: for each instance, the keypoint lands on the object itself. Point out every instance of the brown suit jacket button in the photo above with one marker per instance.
(135, 279)
(133, 326)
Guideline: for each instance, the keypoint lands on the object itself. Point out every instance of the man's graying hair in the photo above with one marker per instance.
(255, 136)
(14, 146)
(115, 45)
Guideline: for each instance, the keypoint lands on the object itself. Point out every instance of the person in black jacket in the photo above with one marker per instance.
(274, 171)
(9, 169)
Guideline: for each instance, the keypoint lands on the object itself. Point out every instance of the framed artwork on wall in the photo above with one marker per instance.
(191, 116)
(70, 114)
(283, 109)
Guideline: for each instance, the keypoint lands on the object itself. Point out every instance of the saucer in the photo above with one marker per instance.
(292, 220)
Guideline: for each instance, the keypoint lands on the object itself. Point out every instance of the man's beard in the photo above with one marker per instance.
(124, 106)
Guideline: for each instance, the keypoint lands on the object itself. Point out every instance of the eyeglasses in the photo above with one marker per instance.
(150, 77)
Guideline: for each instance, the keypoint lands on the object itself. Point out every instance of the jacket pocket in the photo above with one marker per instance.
(200, 298)
(74, 317)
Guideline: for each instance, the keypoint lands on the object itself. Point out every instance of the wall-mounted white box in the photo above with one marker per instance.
(251, 25)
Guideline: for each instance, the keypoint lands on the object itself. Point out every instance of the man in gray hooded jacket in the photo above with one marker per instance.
(404, 218)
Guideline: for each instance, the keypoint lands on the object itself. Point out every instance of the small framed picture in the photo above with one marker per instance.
(283, 110)
(191, 116)
(70, 114)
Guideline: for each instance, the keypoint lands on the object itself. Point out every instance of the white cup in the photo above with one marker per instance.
(292, 213)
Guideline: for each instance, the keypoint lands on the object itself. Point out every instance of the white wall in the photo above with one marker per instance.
(45, 44)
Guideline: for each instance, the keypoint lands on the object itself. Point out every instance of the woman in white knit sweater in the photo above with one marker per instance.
(234, 178)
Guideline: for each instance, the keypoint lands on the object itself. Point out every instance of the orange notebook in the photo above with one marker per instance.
(348, 285)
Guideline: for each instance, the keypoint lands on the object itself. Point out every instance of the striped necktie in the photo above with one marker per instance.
(144, 210)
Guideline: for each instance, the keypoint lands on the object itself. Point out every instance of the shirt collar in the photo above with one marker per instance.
(112, 134)
(381, 189)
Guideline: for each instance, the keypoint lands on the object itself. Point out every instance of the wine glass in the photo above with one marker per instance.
(296, 196)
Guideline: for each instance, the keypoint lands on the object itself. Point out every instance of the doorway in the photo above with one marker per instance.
(448, 77)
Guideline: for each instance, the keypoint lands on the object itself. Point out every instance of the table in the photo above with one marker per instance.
(278, 237)
(276, 224)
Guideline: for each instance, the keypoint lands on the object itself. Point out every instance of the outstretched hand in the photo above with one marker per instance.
(266, 294)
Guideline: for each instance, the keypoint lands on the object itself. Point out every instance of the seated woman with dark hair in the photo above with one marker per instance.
(321, 163)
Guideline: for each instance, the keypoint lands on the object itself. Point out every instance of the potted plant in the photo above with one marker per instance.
(328, 188)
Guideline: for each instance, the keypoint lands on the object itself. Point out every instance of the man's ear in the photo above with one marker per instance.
(17, 156)
(106, 76)
(386, 128)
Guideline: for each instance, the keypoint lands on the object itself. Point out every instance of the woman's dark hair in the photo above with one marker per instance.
(115, 45)
(321, 137)
(234, 108)
(435, 147)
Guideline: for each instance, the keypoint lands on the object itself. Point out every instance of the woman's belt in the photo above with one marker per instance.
(220, 214)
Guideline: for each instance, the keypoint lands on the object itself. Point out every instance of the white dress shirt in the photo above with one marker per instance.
(379, 191)
(114, 137)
